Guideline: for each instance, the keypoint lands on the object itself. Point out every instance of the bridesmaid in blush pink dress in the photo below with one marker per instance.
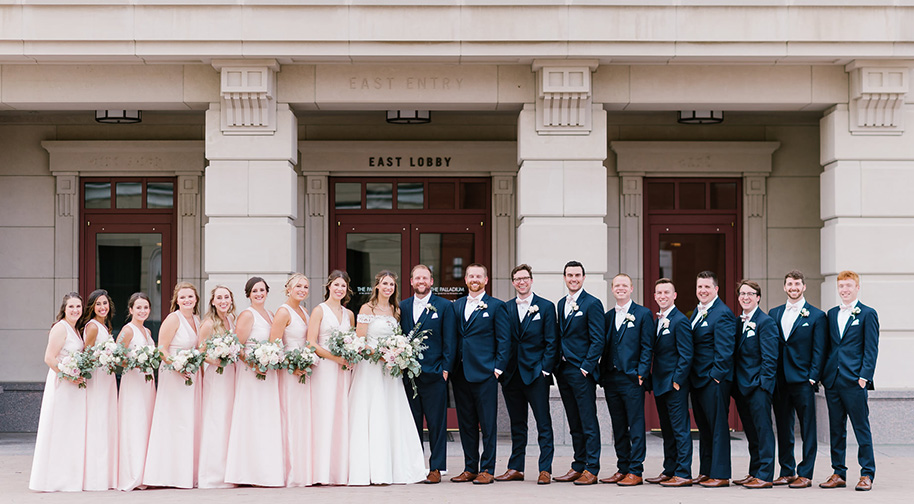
(218, 392)
(101, 398)
(330, 386)
(174, 441)
(291, 324)
(255, 446)
(60, 449)
(137, 399)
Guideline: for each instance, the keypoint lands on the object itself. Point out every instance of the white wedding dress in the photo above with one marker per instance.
(384, 446)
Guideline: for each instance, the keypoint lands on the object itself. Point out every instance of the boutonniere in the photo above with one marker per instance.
(702, 314)
(629, 317)
(804, 312)
(533, 309)
(750, 325)
(855, 312)
(481, 306)
(574, 306)
(430, 308)
(664, 323)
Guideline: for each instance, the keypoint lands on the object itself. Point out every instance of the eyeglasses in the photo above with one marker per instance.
(748, 294)
(522, 279)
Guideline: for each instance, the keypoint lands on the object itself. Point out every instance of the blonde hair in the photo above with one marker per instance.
(174, 297)
(293, 281)
(213, 314)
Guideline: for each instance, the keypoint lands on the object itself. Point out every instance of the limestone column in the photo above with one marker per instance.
(867, 151)
(251, 196)
(561, 183)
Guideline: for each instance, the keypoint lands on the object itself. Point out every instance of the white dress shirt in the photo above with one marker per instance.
(700, 308)
(844, 314)
(574, 297)
(747, 317)
(523, 305)
(791, 312)
(620, 314)
(663, 315)
(472, 303)
(419, 304)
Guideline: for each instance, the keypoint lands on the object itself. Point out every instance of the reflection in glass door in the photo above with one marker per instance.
(367, 253)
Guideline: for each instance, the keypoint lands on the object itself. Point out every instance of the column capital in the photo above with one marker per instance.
(248, 92)
(878, 89)
(564, 95)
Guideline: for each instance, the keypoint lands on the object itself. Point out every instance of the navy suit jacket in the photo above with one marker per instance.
(756, 353)
(715, 342)
(533, 341)
(581, 335)
(672, 353)
(441, 342)
(483, 341)
(801, 356)
(853, 356)
(633, 342)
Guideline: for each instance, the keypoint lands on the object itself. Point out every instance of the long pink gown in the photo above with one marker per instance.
(134, 417)
(295, 399)
(218, 399)
(174, 441)
(60, 449)
(255, 445)
(101, 424)
(330, 410)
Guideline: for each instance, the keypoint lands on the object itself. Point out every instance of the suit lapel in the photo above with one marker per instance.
(425, 313)
(566, 323)
(475, 313)
(527, 316)
(796, 322)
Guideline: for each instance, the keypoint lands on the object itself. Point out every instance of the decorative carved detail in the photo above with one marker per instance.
(755, 189)
(248, 91)
(504, 196)
(66, 195)
(877, 95)
(188, 188)
(632, 194)
(564, 97)
(316, 189)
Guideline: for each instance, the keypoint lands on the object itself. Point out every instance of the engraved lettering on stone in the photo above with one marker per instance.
(410, 82)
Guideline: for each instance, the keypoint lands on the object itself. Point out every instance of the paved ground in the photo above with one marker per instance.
(893, 463)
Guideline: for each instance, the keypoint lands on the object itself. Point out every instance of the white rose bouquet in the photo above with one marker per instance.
(77, 365)
(400, 354)
(264, 356)
(349, 346)
(146, 359)
(300, 359)
(108, 355)
(225, 348)
(186, 362)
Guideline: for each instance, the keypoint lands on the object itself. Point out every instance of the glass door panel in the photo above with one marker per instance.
(366, 255)
(447, 254)
(130, 262)
(682, 256)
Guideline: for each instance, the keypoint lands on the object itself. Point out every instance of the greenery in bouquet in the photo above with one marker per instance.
(224, 348)
(400, 354)
(187, 362)
(349, 346)
(145, 359)
(108, 355)
(264, 356)
(76, 365)
(301, 360)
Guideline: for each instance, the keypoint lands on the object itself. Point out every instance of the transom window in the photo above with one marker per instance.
(405, 194)
(129, 194)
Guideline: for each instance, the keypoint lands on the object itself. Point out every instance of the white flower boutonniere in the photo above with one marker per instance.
(804, 313)
(702, 314)
(750, 325)
(629, 317)
(664, 323)
(533, 309)
(430, 308)
(855, 312)
(481, 306)
(574, 306)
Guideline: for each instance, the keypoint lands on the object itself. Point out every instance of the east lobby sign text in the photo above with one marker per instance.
(411, 161)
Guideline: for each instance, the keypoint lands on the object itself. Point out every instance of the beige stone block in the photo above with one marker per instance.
(873, 24)
(27, 201)
(423, 22)
(868, 245)
(893, 363)
(793, 202)
(838, 143)
(840, 190)
(279, 146)
(201, 86)
(264, 244)
(27, 252)
(584, 189)
(613, 201)
(29, 303)
(187, 22)
(829, 85)
(22, 359)
(20, 149)
(510, 23)
(531, 145)
(287, 23)
(516, 85)
(612, 86)
(56, 22)
(885, 188)
(633, 23)
(272, 189)
(225, 196)
(746, 23)
(793, 248)
(550, 241)
(540, 189)
(295, 85)
(798, 154)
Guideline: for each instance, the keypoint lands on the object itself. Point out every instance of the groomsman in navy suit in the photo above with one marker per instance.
(625, 365)
(528, 375)
(853, 338)
(802, 331)
(483, 342)
(756, 363)
(581, 342)
(672, 353)
(713, 333)
(435, 315)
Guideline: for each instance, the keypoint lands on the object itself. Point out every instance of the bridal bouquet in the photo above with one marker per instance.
(75, 366)
(108, 355)
(264, 356)
(348, 345)
(145, 359)
(400, 353)
(186, 362)
(225, 348)
(301, 359)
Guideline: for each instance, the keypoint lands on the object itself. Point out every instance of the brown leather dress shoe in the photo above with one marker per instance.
(571, 475)
(464, 477)
(833, 481)
(434, 476)
(715, 483)
(484, 478)
(698, 479)
(630, 480)
(544, 479)
(743, 481)
(757, 483)
(658, 479)
(784, 480)
(865, 484)
(511, 475)
(676, 481)
(615, 478)
(587, 478)
(801, 482)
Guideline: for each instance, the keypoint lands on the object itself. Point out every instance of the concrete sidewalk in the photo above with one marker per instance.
(892, 484)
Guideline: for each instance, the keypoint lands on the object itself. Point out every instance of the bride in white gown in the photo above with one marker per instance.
(384, 446)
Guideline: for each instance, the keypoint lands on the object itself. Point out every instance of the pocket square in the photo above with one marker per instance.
(485, 314)
(750, 334)
(630, 325)
(704, 324)
(805, 325)
(434, 315)
(536, 317)
(665, 331)
(856, 322)
(579, 314)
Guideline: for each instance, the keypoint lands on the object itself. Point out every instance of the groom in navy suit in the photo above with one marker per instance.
(853, 338)
(483, 342)
(527, 378)
(802, 329)
(581, 342)
(624, 367)
(428, 312)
